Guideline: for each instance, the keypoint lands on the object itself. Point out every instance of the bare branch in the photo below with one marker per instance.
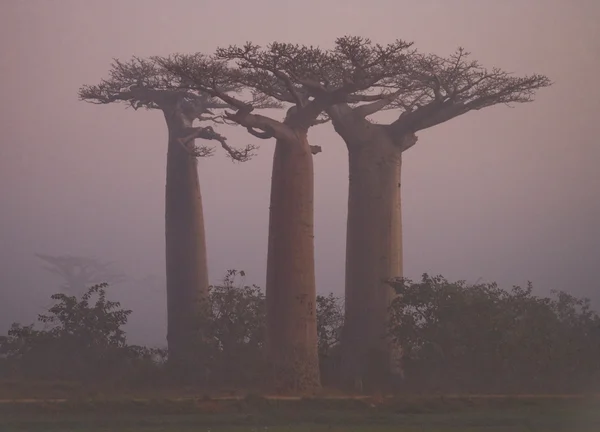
(314, 79)
(240, 155)
(449, 87)
(354, 98)
(373, 107)
(269, 126)
(204, 74)
(209, 134)
(260, 134)
(144, 83)
(215, 78)
(200, 151)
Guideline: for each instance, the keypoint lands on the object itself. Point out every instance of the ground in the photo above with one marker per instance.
(497, 414)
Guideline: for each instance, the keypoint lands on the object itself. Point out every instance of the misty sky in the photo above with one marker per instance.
(502, 194)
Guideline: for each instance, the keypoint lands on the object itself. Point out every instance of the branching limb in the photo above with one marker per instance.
(366, 110)
(450, 87)
(260, 134)
(289, 85)
(216, 78)
(219, 119)
(240, 155)
(208, 133)
(270, 128)
(355, 98)
(200, 151)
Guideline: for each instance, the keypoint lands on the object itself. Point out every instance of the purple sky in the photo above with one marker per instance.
(505, 195)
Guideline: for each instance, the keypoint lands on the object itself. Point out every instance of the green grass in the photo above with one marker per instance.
(258, 414)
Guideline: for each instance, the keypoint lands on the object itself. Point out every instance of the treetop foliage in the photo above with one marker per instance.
(308, 77)
(144, 83)
(436, 89)
(426, 89)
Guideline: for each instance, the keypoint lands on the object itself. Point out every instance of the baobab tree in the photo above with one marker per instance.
(140, 83)
(80, 273)
(309, 81)
(427, 90)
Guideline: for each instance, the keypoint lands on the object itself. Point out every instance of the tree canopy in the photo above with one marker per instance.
(428, 89)
(308, 78)
(144, 83)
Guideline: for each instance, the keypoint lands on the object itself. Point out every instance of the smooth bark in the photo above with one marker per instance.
(291, 291)
(186, 258)
(373, 249)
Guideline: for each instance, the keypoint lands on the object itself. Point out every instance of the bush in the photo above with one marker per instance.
(455, 338)
(479, 338)
(236, 331)
(81, 340)
(330, 320)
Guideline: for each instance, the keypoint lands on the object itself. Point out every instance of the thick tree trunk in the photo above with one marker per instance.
(373, 256)
(187, 270)
(291, 292)
(370, 360)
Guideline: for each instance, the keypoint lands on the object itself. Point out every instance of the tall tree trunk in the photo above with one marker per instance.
(186, 260)
(373, 252)
(291, 292)
(373, 256)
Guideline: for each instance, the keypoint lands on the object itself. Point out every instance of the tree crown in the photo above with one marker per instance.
(309, 78)
(144, 83)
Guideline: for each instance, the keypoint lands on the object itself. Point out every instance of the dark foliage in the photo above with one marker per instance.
(480, 338)
(330, 320)
(82, 340)
(456, 338)
(236, 332)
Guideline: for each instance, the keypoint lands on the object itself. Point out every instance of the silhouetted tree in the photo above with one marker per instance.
(80, 273)
(311, 80)
(82, 338)
(141, 83)
(427, 90)
(237, 329)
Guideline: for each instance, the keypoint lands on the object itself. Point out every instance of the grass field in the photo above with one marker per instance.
(425, 414)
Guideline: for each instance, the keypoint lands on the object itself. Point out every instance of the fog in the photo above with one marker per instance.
(503, 194)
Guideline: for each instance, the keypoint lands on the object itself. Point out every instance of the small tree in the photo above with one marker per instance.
(237, 329)
(142, 83)
(82, 338)
(308, 80)
(426, 90)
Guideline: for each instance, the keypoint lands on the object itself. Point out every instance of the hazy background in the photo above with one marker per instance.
(505, 195)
